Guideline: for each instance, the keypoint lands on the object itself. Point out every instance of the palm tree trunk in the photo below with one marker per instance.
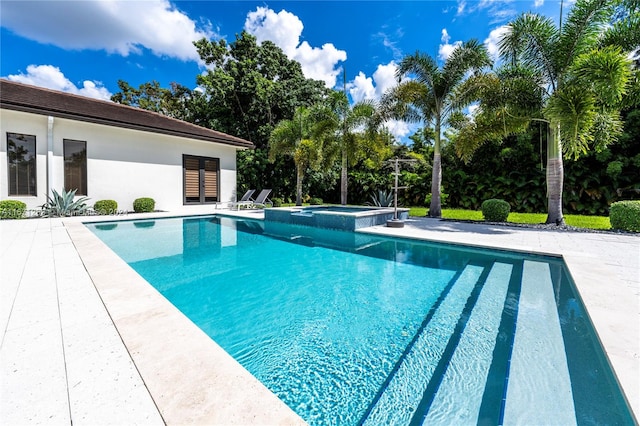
(343, 179)
(555, 176)
(435, 208)
(299, 176)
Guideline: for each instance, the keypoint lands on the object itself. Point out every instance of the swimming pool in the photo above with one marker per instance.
(348, 328)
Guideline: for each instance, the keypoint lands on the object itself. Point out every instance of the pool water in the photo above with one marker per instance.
(349, 328)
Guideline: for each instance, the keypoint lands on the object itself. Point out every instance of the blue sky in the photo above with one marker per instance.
(85, 47)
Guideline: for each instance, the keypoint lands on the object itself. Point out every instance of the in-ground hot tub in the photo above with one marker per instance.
(348, 218)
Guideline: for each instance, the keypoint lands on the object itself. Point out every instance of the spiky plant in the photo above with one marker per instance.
(60, 205)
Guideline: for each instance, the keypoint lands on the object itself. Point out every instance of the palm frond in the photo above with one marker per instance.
(574, 110)
(471, 55)
(530, 39)
(606, 72)
(420, 67)
(580, 33)
(624, 33)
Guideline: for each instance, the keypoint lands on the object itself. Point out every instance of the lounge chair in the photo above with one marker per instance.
(262, 200)
(246, 200)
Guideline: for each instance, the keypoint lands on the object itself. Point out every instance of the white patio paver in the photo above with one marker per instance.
(63, 360)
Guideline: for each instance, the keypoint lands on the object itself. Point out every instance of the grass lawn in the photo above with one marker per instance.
(591, 222)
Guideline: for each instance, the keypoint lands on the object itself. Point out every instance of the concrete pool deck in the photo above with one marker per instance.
(86, 341)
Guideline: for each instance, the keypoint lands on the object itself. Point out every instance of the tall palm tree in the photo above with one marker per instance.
(348, 127)
(297, 139)
(576, 84)
(427, 92)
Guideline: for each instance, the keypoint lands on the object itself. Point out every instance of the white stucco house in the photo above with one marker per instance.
(104, 150)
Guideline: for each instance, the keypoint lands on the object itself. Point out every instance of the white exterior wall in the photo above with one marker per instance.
(122, 164)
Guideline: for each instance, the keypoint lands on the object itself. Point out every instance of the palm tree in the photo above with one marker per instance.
(348, 127)
(560, 76)
(296, 138)
(430, 95)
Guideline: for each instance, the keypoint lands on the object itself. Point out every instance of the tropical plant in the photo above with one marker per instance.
(428, 93)
(12, 209)
(560, 76)
(296, 138)
(59, 205)
(144, 205)
(381, 199)
(346, 126)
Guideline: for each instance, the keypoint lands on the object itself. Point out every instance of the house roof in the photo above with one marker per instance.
(37, 100)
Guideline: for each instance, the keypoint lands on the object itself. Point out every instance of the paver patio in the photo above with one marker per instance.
(86, 341)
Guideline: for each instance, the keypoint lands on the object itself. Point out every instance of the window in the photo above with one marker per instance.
(75, 166)
(200, 179)
(21, 157)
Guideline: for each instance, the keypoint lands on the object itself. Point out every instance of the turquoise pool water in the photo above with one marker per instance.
(349, 328)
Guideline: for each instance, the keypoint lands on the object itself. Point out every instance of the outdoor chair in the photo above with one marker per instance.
(246, 200)
(262, 200)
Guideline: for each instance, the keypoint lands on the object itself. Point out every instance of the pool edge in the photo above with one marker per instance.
(189, 376)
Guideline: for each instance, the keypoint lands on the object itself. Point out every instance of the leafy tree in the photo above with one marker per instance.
(428, 93)
(347, 129)
(178, 101)
(297, 138)
(558, 75)
(249, 88)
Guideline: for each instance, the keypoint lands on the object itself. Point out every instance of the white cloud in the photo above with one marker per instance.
(491, 42)
(538, 3)
(285, 29)
(390, 44)
(401, 129)
(372, 88)
(446, 48)
(461, 6)
(497, 10)
(52, 78)
(122, 27)
(362, 88)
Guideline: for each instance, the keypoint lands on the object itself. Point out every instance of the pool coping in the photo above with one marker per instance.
(191, 379)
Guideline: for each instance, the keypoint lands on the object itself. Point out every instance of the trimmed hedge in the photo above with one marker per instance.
(12, 209)
(495, 210)
(315, 201)
(144, 205)
(277, 202)
(625, 215)
(105, 207)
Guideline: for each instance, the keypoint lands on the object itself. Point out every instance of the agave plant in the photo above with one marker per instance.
(63, 205)
(381, 199)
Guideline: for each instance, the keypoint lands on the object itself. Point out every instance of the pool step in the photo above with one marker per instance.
(466, 373)
(491, 352)
(539, 386)
(403, 390)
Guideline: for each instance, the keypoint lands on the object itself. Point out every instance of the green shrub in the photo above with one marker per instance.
(625, 215)
(105, 207)
(277, 202)
(315, 201)
(144, 205)
(59, 205)
(495, 210)
(12, 209)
